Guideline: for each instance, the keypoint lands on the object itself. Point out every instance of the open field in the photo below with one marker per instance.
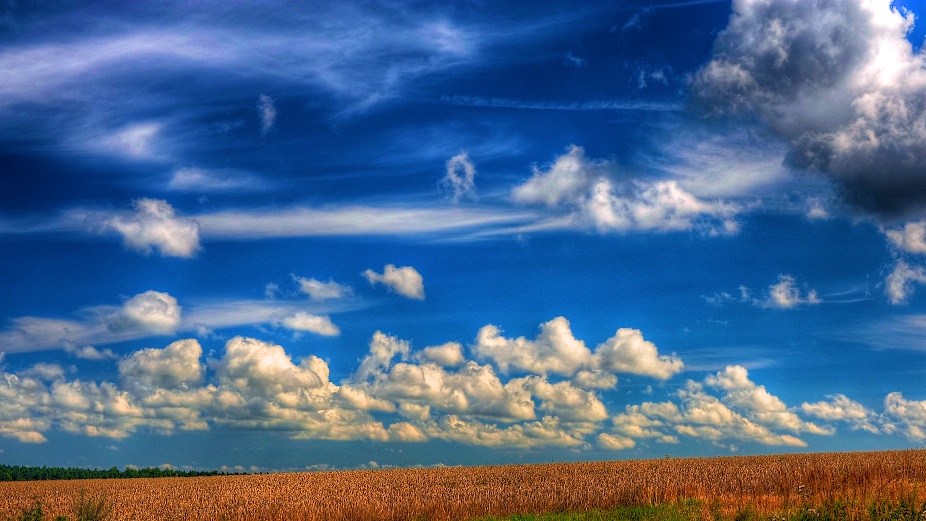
(720, 487)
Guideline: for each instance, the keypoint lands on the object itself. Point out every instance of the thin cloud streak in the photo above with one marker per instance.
(353, 220)
(501, 103)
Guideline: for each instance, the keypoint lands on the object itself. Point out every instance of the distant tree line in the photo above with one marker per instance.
(17, 473)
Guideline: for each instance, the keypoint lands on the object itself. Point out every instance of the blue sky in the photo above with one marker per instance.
(280, 237)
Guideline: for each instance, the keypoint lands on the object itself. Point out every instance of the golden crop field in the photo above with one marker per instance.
(725, 485)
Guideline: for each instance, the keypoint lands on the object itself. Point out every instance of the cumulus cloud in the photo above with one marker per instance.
(910, 238)
(458, 180)
(557, 351)
(898, 285)
(909, 416)
(787, 294)
(175, 366)
(405, 281)
(318, 324)
(447, 355)
(596, 197)
(756, 403)
(839, 408)
(153, 311)
(155, 225)
(840, 83)
(318, 290)
(432, 393)
(267, 111)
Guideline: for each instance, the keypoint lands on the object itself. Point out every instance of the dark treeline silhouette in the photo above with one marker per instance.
(17, 473)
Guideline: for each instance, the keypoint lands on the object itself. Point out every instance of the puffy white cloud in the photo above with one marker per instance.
(405, 281)
(318, 290)
(898, 285)
(458, 181)
(838, 407)
(757, 403)
(840, 82)
(786, 294)
(908, 415)
(267, 111)
(611, 442)
(318, 324)
(594, 195)
(155, 225)
(154, 311)
(910, 238)
(45, 371)
(176, 366)
(548, 431)
(744, 412)
(556, 350)
(447, 355)
(628, 352)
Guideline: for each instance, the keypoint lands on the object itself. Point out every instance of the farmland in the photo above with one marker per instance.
(717, 487)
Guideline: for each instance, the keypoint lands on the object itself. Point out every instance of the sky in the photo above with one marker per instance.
(323, 235)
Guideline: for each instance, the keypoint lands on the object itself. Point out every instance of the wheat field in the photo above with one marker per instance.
(725, 485)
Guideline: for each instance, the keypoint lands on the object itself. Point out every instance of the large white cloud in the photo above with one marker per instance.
(405, 281)
(840, 82)
(597, 197)
(557, 351)
(176, 366)
(155, 225)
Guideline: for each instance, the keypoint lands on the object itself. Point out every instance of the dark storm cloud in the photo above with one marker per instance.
(839, 81)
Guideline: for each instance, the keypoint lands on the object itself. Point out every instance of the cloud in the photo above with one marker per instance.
(594, 196)
(840, 83)
(354, 220)
(267, 111)
(433, 393)
(145, 314)
(898, 285)
(839, 408)
(89, 352)
(154, 311)
(446, 355)
(135, 141)
(756, 403)
(910, 238)
(700, 415)
(405, 281)
(176, 366)
(155, 225)
(786, 294)
(318, 290)
(907, 415)
(557, 351)
(459, 178)
(192, 179)
(317, 324)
